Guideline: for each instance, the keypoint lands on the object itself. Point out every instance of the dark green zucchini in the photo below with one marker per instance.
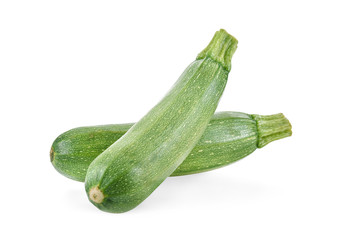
(128, 171)
(229, 136)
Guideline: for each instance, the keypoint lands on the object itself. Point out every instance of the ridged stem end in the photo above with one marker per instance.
(220, 49)
(271, 128)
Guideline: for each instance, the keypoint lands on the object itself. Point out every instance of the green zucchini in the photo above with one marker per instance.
(229, 136)
(128, 171)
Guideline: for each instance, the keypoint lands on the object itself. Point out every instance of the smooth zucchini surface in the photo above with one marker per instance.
(129, 170)
(229, 136)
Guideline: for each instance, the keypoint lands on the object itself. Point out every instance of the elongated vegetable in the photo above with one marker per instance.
(128, 171)
(229, 136)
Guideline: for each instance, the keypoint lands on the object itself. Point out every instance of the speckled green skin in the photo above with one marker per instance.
(229, 136)
(73, 151)
(128, 171)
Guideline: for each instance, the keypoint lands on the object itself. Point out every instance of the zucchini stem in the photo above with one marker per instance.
(271, 128)
(220, 49)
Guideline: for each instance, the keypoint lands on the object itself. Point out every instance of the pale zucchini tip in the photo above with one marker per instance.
(96, 195)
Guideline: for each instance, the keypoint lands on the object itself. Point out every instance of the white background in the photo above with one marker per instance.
(65, 64)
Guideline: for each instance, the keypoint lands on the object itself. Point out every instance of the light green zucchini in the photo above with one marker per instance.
(229, 136)
(128, 171)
